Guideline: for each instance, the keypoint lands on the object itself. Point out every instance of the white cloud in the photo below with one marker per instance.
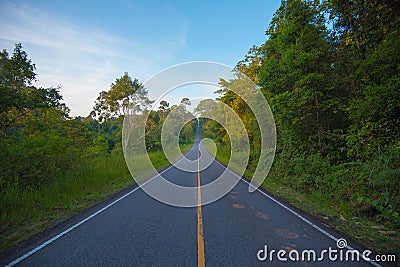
(83, 59)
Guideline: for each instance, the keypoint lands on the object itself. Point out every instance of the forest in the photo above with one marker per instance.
(330, 71)
(52, 165)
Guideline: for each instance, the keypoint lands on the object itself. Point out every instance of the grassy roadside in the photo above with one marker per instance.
(26, 213)
(328, 209)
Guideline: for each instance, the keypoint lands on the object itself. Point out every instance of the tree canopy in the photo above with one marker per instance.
(330, 71)
(125, 96)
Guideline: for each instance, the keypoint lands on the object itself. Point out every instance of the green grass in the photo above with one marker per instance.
(337, 209)
(30, 211)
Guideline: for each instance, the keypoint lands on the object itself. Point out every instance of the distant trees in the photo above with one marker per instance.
(157, 120)
(38, 139)
(164, 108)
(52, 165)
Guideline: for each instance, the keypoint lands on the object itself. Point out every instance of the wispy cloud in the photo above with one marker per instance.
(83, 59)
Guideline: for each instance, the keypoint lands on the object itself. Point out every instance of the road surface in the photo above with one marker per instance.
(236, 230)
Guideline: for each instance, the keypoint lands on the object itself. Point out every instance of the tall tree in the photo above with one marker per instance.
(295, 73)
(122, 94)
(125, 97)
(19, 100)
(101, 109)
(163, 109)
(17, 71)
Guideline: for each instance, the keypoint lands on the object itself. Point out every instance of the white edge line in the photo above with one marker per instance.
(26, 255)
(297, 214)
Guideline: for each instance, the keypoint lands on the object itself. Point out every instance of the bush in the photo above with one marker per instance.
(36, 160)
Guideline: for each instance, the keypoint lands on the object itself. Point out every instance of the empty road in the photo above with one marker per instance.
(240, 229)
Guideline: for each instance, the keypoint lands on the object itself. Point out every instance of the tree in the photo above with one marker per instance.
(101, 110)
(206, 107)
(121, 94)
(17, 71)
(250, 65)
(3, 60)
(296, 75)
(185, 101)
(125, 97)
(163, 108)
(38, 139)
(20, 101)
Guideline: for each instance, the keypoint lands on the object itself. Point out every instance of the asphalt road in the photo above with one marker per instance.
(137, 230)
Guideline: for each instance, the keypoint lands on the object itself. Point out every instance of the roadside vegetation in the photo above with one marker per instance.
(330, 71)
(52, 165)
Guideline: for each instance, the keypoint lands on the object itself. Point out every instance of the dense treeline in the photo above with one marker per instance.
(331, 73)
(39, 139)
(52, 164)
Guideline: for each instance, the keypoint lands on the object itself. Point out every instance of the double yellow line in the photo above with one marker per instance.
(200, 238)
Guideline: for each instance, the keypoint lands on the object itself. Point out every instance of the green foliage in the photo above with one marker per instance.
(36, 160)
(26, 211)
(375, 113)
(186, 136)
(296, 74)
(99, 147)
(52, 165)
(37, 142)
(17, 71)
(125, 96)
(336, 102)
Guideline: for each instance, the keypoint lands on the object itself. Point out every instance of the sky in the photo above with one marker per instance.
(83, 46)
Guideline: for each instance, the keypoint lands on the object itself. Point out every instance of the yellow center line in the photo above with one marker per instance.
(200, 239)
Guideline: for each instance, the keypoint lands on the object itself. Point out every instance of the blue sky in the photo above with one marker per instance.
(85, 45)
